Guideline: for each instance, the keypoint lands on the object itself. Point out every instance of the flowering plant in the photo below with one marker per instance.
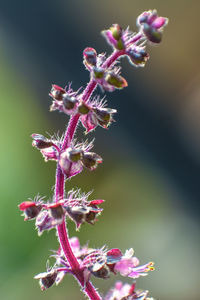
(72, 157)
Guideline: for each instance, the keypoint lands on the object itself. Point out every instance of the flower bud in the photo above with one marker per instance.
(114, 36)
(77, 214)
(116, 31)
(138, 57)
(120, 45)
(69, 102)
(46, 279)
(152, 25)
(90, 56)
(74, 155)
(116, 80)
(104, 114)
(113, 256)
(70, 163)
(103, 273)
(152, 34)
(90, 217)
(98, 72)
(56, 211)
(57, 92)
(40, 142)
(83, 108)
(90, 160)
(30, 209)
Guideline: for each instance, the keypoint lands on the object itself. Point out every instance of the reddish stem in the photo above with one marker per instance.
(135, 38)
(59, 189)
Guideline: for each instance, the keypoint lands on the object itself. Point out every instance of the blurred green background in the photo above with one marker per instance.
(150, 175)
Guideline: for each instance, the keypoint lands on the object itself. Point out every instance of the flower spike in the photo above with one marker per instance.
(71, 157)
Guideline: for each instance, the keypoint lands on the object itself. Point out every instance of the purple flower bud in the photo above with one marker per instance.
(104, 115)
(74, 155)
(89, 121)
(70, 168)
(98, 72)
(114, 36)
(138, 56)
(56, 211)
(116, 31)
(116, 80)
(83, 108)
(57, 92)
(30, 209)
(40, 142)
(47, 279)
(90, 217)
(152, 34)
(90, 160)
(69, 102)
(152, 25)
(103, 273)
(90, 57)
(109, 80)
(48, 148)
(45, 221)
(77, 214)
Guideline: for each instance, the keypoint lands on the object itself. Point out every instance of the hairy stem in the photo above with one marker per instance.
(60, 182)
(135, 38)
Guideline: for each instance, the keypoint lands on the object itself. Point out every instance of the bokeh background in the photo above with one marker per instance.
(150, 176)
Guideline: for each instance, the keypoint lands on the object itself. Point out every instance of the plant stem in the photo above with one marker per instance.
(60, 181)
(64, 242)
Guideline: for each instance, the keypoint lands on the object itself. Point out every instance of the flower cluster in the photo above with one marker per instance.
(97, 262)
(92, 114)
(48, 215)
(72, 157)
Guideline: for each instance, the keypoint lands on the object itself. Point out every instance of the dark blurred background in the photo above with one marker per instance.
(150, 175)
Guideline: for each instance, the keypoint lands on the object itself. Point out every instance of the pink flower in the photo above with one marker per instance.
(128, 266)
(126, 292)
